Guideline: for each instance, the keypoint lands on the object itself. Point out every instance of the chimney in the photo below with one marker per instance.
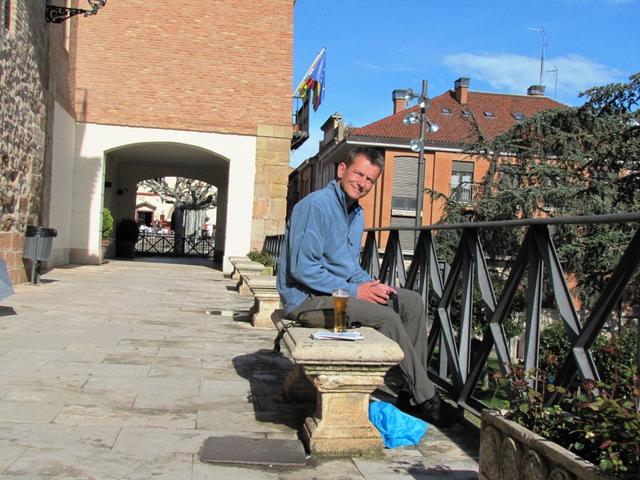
(536, 91)
(398, 100)
(461, 87)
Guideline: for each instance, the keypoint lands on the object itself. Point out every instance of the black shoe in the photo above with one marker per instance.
(403, 401)
(434, 411)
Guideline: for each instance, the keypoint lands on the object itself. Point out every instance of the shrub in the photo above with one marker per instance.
(260, 257)
(107, 224)
(598, 421)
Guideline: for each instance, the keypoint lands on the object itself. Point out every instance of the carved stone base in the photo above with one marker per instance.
(267, 312)
(510, 451)
(340, 424)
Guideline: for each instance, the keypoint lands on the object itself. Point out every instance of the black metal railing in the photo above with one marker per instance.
(459, 366)
(272, 247)
(173, 245)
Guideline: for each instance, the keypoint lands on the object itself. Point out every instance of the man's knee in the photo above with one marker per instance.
(410, 299)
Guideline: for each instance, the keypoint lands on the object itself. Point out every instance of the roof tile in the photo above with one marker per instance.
(455, 128)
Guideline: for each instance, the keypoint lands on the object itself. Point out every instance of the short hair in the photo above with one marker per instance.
(374, 156)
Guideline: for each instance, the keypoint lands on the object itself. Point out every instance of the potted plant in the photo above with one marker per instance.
(127, 233)
(263, 258)
(107, 230)
(592, 432)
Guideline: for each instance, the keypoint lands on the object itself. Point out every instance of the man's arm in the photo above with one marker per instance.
(307, 231)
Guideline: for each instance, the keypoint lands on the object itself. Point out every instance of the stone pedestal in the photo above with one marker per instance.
(343, 374)
(268, 311)
(340, 424)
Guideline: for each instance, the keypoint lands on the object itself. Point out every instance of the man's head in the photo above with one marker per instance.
(360, 170)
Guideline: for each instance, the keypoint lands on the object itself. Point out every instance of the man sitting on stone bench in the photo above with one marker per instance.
(321, 253)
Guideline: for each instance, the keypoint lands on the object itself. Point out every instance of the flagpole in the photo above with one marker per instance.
(313, 65)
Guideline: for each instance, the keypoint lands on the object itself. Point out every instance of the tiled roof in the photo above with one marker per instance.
(455, 128)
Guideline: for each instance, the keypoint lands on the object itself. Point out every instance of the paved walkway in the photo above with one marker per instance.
(119, 372)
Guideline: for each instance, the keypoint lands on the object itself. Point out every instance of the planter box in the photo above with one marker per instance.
(510, 451)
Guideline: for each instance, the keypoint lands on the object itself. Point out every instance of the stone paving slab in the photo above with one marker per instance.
(118, 372)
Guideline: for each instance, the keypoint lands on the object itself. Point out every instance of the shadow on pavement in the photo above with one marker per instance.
(6, 311)
(419, 472)
(266, 372)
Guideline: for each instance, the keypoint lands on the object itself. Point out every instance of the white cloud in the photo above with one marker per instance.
(515, 73)
(384, 68)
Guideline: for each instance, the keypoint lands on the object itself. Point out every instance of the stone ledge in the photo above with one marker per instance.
(507, 450)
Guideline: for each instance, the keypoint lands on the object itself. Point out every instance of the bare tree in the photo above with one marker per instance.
(186, 193)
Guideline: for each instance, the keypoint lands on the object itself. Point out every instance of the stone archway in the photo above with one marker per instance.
(127, 165)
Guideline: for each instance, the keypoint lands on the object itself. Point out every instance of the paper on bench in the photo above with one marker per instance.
(324, 335)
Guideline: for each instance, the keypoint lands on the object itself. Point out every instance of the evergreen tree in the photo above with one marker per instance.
(564, 162)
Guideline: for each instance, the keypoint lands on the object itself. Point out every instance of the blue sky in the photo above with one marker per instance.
(376, 46)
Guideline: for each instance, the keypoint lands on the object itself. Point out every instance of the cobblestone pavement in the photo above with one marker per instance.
(121, 371)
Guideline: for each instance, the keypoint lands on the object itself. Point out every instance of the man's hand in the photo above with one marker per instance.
(374, 292)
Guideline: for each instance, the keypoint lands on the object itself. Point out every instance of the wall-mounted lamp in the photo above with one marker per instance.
(55, 14)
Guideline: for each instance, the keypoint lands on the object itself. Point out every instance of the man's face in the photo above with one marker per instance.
(358, 178)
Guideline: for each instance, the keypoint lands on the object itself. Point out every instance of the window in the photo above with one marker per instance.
(466, 114)
(519, 116)
(489, 114)
(404, 203)
(7, 14)
(403, 199)
(462, 181)
(446, 111)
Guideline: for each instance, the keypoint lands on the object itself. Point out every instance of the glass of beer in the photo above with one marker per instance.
(340, 299)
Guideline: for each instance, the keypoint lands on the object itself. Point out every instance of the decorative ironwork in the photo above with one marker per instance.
(460, 365)
(55, 14)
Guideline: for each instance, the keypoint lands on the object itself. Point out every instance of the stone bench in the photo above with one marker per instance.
(343, 374)
(244, 265)
(267, 309)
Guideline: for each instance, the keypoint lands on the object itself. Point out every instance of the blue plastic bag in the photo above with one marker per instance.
(396, 427)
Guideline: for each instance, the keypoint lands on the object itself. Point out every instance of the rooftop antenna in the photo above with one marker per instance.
(554, 70)
(544, 45)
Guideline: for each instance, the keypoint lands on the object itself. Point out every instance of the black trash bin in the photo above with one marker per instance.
(37, 247)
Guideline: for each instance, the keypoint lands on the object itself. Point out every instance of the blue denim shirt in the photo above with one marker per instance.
(321, 249)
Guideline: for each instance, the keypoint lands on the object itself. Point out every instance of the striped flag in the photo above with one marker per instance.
(314, 80)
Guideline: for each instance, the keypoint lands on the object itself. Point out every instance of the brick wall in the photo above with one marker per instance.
(23, 124)
(222, 66)
(62, 57)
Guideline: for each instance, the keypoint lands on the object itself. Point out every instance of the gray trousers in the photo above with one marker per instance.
(407, 328)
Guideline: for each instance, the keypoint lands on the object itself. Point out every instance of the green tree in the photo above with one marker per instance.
(568, 161)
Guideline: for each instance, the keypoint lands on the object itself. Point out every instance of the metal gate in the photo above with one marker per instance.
(174, 246)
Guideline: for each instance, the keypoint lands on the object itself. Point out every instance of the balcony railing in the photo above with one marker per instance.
(466, 192)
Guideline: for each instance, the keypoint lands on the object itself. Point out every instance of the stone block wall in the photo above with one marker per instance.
(23, 123)
(273, 144)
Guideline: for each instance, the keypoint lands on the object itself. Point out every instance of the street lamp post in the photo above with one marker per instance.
(417, 144)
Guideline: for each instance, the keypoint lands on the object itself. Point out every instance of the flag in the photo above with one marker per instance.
(314, 80)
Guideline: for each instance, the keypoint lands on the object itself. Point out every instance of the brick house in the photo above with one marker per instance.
(93, 105)
(461, 115)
